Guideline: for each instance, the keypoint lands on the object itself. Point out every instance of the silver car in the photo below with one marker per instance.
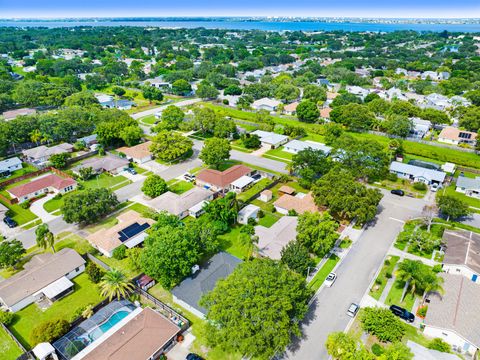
(353, 309)
(330, 279)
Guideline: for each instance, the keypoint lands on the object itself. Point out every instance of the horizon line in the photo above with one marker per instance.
(40, 18)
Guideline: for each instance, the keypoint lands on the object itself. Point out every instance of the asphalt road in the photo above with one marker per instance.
(355, 273)
(268, 164)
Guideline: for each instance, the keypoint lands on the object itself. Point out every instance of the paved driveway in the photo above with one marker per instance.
(37, 208)
(355, 273)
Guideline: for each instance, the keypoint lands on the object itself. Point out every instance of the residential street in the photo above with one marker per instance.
(159, 108)
(269, 164)
(355, 273)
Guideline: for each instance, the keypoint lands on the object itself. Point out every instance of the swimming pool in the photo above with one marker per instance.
(107, 325)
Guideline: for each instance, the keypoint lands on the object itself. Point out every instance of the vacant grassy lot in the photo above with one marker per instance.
(8, 348)
(322, 274)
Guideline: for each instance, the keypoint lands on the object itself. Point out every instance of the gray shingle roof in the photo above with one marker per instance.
(218, 267)
(416, 171)
(468, 183)
(462, 248)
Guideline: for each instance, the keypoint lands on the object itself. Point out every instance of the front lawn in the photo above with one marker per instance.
(179, 186)
(472, 202)
(395, 295)
(19, 214)
(105, 181)
(322, 274)
(55, 203)
(150, 119)
(279, 153)
(8, 348)
(85, 293)
(381, 281)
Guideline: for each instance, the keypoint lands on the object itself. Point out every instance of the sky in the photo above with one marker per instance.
(312, 8)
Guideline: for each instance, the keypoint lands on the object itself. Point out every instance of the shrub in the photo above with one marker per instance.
(49, 330)
(420, 186)
(94, 273)
(6, 317)
(388, 275)
(120, 252)
(377, 349)
(260, 214)
(422, 311)
(392, 177)
(439, 345)
(387, 262)
(25, 204)
(437, 268)
(225, 101)
(383, 324)
(252, 221)
(378, 281)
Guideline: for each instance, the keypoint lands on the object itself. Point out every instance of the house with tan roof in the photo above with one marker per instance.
(462, 254)
(291, 108)
(272, 240)
(42, 185)
(41, 154)
(129, 231)
(109, 163)
(45, 278)
(221, 180)
(455, 136)
(455, 316)
(325, 112)
(300, 203)
(139, 153)
(12, 114)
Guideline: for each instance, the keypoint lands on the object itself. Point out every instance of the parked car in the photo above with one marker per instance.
(10, 222)
(189, 177)
(398, 192)
(132, 171)
(330, 279)
(435, 187)
(193, 356)
(402, 313)
(353, 309)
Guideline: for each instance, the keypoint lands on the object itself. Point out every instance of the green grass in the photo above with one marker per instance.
(279, 153)
(54, 204)
(139, 169)
(150, 119)
(20, 215)
(395, 294)
(268, 220)
(32, 224)
(180, 186)
(30, 317)
(123, 265)
(255, 188)
(322, 274)
(26, 169)
(377, 289)
(415, 335)
(104, 181)
(450, 190)
(140, 208)
(233, 243)
(345, 244)
(8, 348)
(73, 241)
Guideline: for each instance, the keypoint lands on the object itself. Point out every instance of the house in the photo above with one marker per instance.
(270, 139)
(8, 166)
(110, 163)
(285, 189)
(40, 154)
(437, 101)
(103, 98)
(267, 104)
(42, 185)
(452, 135)
(12, 114)
(299, 203)
(454, 316)
(469, 186)
(89, 140)
(290, 109)
(420, 127)
(139, 153)
(265, 195)
(248, 212)
(358, 91)
(118, 104)
(422, 353)
(462, 254)
(188, 293)
(241, 184)
(190, 203)
(272, 240)
(46, 277)
(159, 83)
(295, 146)
(325, 113)
(430, 75)
(129, 231)
(417, 173)
(221, 180)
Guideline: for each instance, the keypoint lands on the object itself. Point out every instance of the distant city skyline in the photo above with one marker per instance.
(190, 8)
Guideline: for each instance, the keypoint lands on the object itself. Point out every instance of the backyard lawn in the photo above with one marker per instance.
(73, 241)
(381, 281)
(26, 169)
(30, 317)
(234, 243)
(268, 220)
(8, 348)
(322, 274)
(255, 188)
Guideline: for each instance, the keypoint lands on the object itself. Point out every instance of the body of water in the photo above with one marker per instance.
(258, 25)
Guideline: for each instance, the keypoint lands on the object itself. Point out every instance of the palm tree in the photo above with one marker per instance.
(115, 284)
(35, 136)
(409, 271)
(45, 237)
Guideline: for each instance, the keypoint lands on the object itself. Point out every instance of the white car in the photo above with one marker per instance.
(330, 279)
(353, 309)
(435, 187)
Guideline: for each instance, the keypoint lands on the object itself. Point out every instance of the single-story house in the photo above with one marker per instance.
(422, 353)
(270, 139)
(159, 83)
(325, 112)
(295, 146)
(420, 127)
(462, 254)
(469, 186)
(89, 140)
(241, 184)
(104, 98)
(248, 212)
(129, 231)
(358, 91)
(300, 203)
(454, 316)
(266, 195)
(12, 114)
(42, 185)
(266, 104)
(188, 293)
(221, 180)
(118, 104)
(139, 153)
(110, 163)
(417, 173)
(8, 166)
(272, 240)
(190, 203)
(291, 108)
(452, 135)
(45, 276)
(42, 153)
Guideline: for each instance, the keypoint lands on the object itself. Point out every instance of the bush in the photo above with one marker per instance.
(49, 330)
(25, 204)
(387, 262)
(439, 345)
(388, 275)
(392, 177)
(120, 252)
(225, 102)
(383, 324)
(377, 349)
(260, 214)
(6, 317)
(422, 312)
(420, 186)
(252, 221)
(94, 273)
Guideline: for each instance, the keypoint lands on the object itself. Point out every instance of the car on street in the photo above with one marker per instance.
(353, 309)
(189, 177)
(402, 313)
(330, 279)
(398, 192)
(10, 222)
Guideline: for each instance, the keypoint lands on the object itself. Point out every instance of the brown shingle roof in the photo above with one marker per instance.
(223, 178)
(139, 151)
(291, 107)
(140, 338)
(51, 180)
(452, 133)
(286, 190)
(300, 205)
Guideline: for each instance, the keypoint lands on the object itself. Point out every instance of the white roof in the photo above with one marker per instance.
(417, 171)
(242, 182)
(248, 210)
(196, 208)
(449, 167)
(43, 350)
(269, 137)
(266, 102)
(422, 353)
(8, 163)
(299, 145)
(55, 288)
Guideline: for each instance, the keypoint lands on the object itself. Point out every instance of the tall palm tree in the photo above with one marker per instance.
(45, 237)
(35, 136)
(409, 271)
(115, 284)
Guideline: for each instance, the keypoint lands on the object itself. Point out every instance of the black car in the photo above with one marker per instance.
(398, 192)
(10, 222)
(402, 313)
(192, 356)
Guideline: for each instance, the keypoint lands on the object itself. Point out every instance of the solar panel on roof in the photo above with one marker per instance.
(464, 135)
(132, 230)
